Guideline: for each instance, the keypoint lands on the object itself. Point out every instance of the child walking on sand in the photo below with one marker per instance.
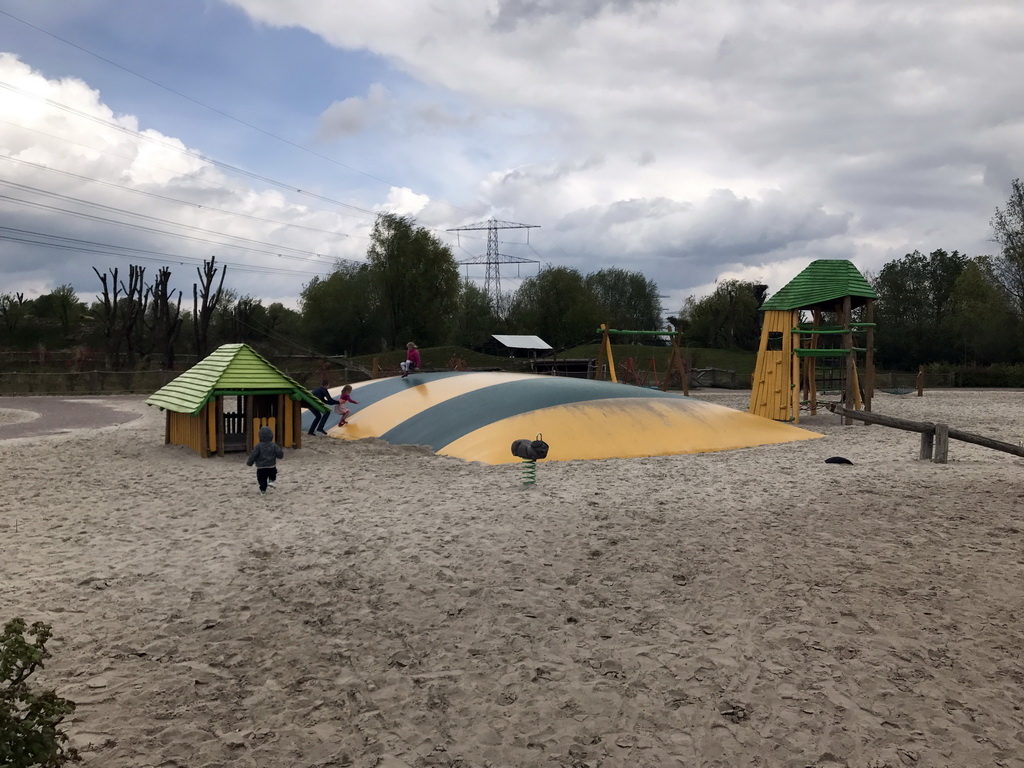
(412, 359)
(340, 409)
(265, 456)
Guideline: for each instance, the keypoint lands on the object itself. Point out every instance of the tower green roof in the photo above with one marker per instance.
(820, 284)
(233, 369)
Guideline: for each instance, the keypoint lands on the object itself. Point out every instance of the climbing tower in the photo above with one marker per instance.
(787, 357)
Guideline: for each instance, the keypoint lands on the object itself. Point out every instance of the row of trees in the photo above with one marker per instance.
(408, 288)
(943, 307)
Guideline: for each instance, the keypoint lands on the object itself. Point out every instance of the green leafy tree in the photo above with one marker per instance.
(913, 307)
(476, 319)
(1008, 229)
(61, 306)
(627, 300)
(340, 312)
(416, 280)
(981, 316)
(556, 305)
(30, 733)
(728, 318)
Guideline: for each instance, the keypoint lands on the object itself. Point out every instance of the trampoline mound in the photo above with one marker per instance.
(477, 416)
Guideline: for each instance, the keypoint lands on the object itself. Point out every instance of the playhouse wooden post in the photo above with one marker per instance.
(869, 355)
(812, 376)
(219, 415)
(794, 374)
(851, 360)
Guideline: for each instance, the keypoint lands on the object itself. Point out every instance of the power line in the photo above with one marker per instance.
(139, 227)
(196, 155)
(166, 198)
(219, 112)
(29, 237)
(181, 150)
(241, 190)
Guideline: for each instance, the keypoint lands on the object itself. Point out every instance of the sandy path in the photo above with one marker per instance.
(389, 607)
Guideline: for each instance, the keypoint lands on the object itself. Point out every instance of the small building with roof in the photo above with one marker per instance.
(516, 346)
(786, 368)
(219, 404)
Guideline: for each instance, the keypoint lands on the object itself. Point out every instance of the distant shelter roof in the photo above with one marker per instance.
(521, 342)
(820, 285)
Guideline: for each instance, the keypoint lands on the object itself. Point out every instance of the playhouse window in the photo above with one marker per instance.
(774, 341)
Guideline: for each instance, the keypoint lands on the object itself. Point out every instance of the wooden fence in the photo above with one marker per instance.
(934, 437)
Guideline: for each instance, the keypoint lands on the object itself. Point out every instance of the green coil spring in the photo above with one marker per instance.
(529, 471)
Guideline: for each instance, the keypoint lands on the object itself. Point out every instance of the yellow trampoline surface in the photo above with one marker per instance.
(477, 416)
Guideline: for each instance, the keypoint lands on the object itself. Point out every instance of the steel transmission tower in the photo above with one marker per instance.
(493, 260)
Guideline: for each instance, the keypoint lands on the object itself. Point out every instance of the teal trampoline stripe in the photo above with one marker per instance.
(446, 422)
(368, 394)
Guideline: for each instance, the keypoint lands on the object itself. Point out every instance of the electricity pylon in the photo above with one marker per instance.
(493, 260)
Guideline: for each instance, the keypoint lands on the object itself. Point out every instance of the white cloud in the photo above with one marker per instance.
(74, 174)
(881, 127)
(354, 114)
(690, 140)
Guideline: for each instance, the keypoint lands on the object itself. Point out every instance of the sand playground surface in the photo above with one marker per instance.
(384, 606)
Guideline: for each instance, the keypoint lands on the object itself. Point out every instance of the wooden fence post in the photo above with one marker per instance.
(941, 443)
(927, 442)
(920, 381)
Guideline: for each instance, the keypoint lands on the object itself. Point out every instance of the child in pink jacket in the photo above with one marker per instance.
(412, 359)
(340, 409)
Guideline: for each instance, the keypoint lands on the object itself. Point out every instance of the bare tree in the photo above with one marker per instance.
(167, 318)
(12, 310)
(110, 305)
(134, 306)
(204, 302)
(1008, 228)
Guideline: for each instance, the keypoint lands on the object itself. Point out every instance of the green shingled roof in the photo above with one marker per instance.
(820, 284)
(233, 369)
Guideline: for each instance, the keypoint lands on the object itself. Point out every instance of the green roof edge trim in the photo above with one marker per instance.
(231, 368)
(821, 281)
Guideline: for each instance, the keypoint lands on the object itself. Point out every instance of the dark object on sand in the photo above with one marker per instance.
(837, 460)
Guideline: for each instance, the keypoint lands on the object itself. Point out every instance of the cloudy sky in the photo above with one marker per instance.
(694, 140)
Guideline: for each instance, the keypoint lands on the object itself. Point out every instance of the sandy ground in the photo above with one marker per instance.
(387, 607)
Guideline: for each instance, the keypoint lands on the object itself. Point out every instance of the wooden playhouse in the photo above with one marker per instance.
(218, 405)
(787, 370)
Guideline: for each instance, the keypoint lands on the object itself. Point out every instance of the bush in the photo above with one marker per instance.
(29, 720)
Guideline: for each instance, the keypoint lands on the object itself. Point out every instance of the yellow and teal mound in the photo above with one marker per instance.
(476, 416)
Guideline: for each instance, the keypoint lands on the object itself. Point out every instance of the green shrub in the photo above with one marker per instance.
(29, 720)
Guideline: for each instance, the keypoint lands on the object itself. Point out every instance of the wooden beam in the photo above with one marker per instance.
(927, 427)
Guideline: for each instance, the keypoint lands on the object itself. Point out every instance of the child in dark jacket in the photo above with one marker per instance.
(265, 456)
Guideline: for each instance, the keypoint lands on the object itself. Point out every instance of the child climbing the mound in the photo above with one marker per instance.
(265, 456)
(340, 409)
(412, 359)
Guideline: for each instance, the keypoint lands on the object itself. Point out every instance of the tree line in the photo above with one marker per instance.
(943, 307)
(408, 288)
